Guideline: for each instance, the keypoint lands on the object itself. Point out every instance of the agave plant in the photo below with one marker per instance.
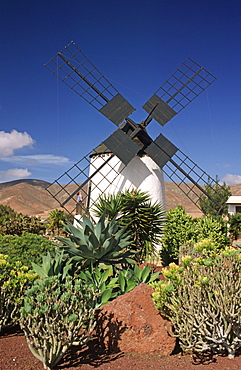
(128, 279)
(54, 264)
(90, 245)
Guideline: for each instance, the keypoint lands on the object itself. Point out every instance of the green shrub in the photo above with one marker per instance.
(219, 194)
(6, 212)
(57, 315)
(235, 226)
(27, 248)
(15, 278)
(19, 224)
(181, 229)
(211, 228)
(202, 299)
(177, 231)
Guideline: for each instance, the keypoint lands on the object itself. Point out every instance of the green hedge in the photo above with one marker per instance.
(181, 229)
(27, 248)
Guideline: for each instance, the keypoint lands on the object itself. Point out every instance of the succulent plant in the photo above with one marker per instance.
(202, 299)
(15, 278)
(109, 283)
(103, 281)
(53, 265)
(91, 245)
(57, 315)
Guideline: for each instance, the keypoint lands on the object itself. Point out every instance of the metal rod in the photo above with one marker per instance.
(84, 78)
(193, 181)
(190, 79)
(149, 118)
(88, 196)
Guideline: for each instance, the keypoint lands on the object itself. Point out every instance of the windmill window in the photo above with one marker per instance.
(238, 209)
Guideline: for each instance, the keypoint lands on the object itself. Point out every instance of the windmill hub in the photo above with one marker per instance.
(134, 131)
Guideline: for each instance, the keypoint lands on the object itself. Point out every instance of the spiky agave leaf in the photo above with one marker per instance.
(90, 244)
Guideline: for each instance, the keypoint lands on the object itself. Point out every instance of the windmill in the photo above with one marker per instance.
(129, 157)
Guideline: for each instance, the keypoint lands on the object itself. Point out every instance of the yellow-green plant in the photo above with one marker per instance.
(57, 315)
(202, 299)
(15, 278)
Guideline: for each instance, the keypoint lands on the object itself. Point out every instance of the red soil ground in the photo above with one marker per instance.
(15, 355)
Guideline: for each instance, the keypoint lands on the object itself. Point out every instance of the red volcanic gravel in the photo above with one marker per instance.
(15, 355)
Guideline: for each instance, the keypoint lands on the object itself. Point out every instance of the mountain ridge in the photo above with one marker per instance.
(30, 197)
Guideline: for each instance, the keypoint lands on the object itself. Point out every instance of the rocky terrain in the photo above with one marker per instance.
(30, 197)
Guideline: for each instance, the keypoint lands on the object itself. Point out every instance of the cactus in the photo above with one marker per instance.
(202, 299)
(55, 316)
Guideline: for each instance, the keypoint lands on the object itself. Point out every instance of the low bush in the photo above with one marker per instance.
(18, 224)
(27, 248)
(202, 299)
(181, 228)
(212, 228)
(15, 278)
(177, 231)
(234, 226)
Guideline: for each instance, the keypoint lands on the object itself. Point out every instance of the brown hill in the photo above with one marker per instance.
(30, 197)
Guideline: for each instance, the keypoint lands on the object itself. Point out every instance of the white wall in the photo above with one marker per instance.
(141, 173)
(231, 209)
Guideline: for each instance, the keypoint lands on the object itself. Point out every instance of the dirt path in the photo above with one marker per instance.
(15, 355)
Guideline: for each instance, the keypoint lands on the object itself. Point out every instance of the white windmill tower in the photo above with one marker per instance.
(129, 158)
(137, 172)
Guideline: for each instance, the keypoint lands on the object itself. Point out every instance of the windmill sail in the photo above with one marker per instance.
(184, 85)
(116, 162)
(73, 68)
(180, 169)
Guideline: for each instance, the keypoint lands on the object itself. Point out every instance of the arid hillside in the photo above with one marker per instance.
(30, 197)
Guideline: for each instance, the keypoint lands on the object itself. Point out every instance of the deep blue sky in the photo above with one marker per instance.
(45, 127)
